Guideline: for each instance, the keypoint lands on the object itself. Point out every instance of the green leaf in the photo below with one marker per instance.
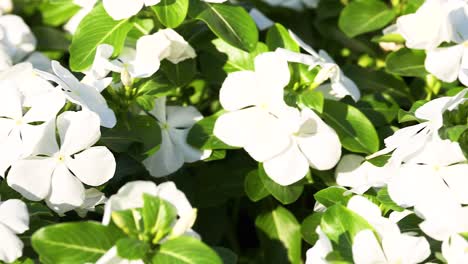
(407, 62)
(226, 255)
(280, 235)
(57, 12)
(341, 225)
(278, 37)
(50, 39)
(381, 109)
(284, 194)
(364, 16)
(158, 216)
(230, 23)
(70, 243)
(331, 196)
(179, 74)
(254, 187)
(201, 134)
(386, 201)
(131, 248)
(356, 132)
(185, 250)
(129, 221)
(309, 226)
(313, 100)
(171, 13)
(96, 28)
(238, 60)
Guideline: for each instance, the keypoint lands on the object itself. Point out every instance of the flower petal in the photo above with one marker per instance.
(10, 101)
(12, 246)
(168, 159)
(32, 177)
(94, 166)
(14, 214)
(366, 249)
(405, 248)
(123, 8)
(456, 178)
(288, 167)
(239, 90)
(191, 154)
(66, 192)
(182, 117)
(78, 131)
(445, 63)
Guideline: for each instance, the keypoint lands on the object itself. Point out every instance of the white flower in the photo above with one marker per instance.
(339, 86)
(454, 249)
(409, 140)
(318, 253)
(353, 171)
(57, 174)
(18, 134)
(89, 98)
(86, 7)
(430, 25)
(313, 143)
(93, 198)
(395, 248)
(14, 219)
(433, 182)
(253, 101)
(130, 196)
(143, 61)
(175, 123)
(16, 37)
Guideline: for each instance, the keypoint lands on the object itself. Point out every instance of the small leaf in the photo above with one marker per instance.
(309, 226)
(171, 13)
(158, 216)
(284, 194)
(331, 196)
(254, 187)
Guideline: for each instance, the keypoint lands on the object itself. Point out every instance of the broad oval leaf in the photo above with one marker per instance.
(356, 132)
(171, 13)
(71, 243)
(407, 62)
(185, 250)
(231, 23)
(279, 37)
(96, 28)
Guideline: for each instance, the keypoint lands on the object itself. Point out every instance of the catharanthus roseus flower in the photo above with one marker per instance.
(14, 219)
(58, 170)
(89, 98)
(175, 123)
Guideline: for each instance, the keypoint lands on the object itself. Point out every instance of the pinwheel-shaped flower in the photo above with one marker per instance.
(89, 98)
(254, 101)
(57, 174)
(18, 134)
(313, 143)
(175, 123)
(143, 61)
(14, 219)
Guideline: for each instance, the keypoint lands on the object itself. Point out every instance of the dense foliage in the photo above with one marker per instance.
(216, 131)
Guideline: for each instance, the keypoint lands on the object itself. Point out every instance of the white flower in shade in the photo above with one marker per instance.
(85, 7)
(14, 219)
(16, 37)
(313, 143)
(454, 249)
(143, 61)
(93, 198)
(130, 196)
(39, 61)
(360, 175)
(57, 174)
(430, 26)
(433, 181)
(253, 101)
(339, 86)
(394, 248)
(318, 253)
(6, 6)
(175, 123)
(18, 134)
(409, 140)
(84, 95)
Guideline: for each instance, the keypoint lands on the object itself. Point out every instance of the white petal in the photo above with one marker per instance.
(456, 178)
(366, 249)
(288, 167)
(345, 86)
(151, 2)
(159, 110)
(18, 38)
(32, 177)
(347, 172)
(296, 57)
(44, 107)
(78, 131)
(323, 147)
(168, 191)
(364, 208)
(148, 51)
(303, 45)
(42, 139)
(123, 8)
(430, 153)
(11, 247)
(11, 149)
(454, 249)
(14, 214)
(180, 49)
(168, 159)
(262, 21)
(182, 117)
(239, 90)
(94, 166)
(405, 249)
(93, 198)
(318, 253)
(444, 63)
(433, 109)
(191, 154)
(10, 101)
(67, 192)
